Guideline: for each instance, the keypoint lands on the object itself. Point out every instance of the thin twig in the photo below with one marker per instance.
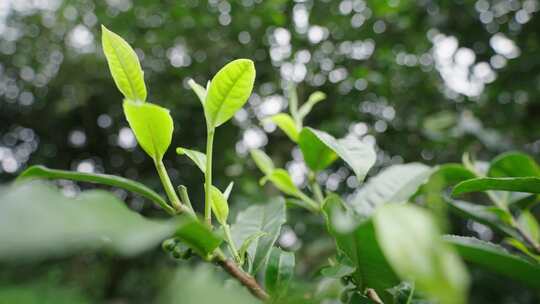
(244, 278)
(373, 296)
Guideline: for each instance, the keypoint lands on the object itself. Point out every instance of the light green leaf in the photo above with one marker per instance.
(41, 172)
(283, 181)
(513, 164)
(37, 222)
(516, 184)
(220, 206)
(496, 258)
(529, 224)
(313, 99)
(197, 157)
(358, 155)
(152, 126)
(279, 272)
(229, 90)
(411, 242)
(247, 242)
(267, 218)
(228, 190)
(197, 236)
(286, 124)
(263, 161)
(124, 65)
(395, 184)
(199, 90)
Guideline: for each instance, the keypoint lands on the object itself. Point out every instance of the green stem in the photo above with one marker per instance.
(317, 192)
(184, 197)
(167, 185)
(208, 176)
(230, 241)
(309, 201)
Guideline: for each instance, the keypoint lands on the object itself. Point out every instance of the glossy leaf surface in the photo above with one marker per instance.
(124, 65)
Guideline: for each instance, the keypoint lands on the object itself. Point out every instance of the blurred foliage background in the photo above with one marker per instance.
(422, 80)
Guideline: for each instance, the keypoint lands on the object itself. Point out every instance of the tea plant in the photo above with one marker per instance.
(389, 235)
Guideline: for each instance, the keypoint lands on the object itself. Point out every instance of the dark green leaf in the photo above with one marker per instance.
(41, 172)
(267, 218)
(513, 164)
(197, 236)
(517, 184)
(37, 221)
(279, 272)
(497, 259)
(360, 245)
(317, 155)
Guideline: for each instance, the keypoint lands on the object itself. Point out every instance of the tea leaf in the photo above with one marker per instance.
(199, 90)
(38, 172)
(197, 157)
(37, 221)
(229, 90)
(495, 258)
(283, 181)
(263, 161)
(313, 99)
(517, 184)
(395, 184)
(286, 124)
(267, 218)
(152, 126)
(411, 242)
(513, 164)
(124, 65)
(358, 155)
(279, 272)
(220, 206)
(197, 236)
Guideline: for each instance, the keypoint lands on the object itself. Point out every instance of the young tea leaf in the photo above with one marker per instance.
(286, 124)
(220, 206)
(197, 235)
(124, 65)
(358, 155)
(197, 157)
(199, 90)
(529, 225)
(279, 272)
(283, 181)
(263, 161)
(313, 99)
(229, 90)
(411, 242)
(267, 218)
(228, 190)
(152, 126)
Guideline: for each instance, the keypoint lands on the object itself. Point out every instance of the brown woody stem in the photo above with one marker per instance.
(244, 278)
